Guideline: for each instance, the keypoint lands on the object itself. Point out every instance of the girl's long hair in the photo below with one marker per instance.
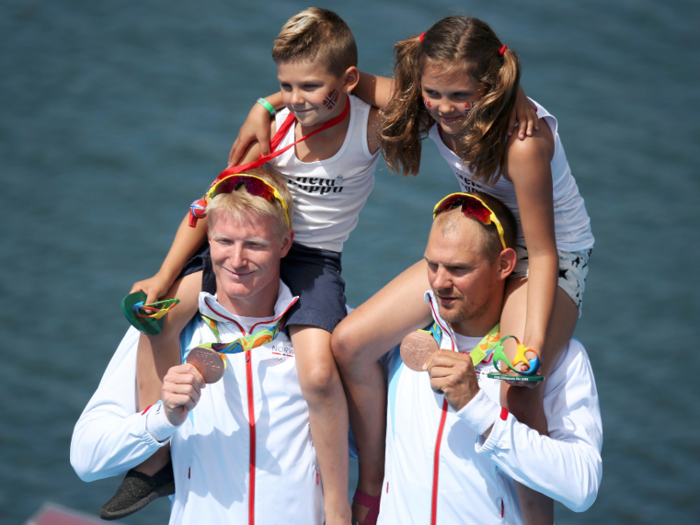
(453, 41)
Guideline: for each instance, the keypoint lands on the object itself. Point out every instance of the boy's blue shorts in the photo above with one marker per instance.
(311, 273)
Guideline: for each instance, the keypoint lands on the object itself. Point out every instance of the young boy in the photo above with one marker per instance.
(330, 176)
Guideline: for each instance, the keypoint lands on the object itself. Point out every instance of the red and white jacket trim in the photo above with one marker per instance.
(440, 470)
(244, 455)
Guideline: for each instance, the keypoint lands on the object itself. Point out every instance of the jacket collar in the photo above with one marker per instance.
(210, 307)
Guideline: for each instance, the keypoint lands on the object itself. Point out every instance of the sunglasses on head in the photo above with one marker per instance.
(474, 207)
(254, 185)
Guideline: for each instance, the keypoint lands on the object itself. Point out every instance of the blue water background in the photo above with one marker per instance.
(115, 115)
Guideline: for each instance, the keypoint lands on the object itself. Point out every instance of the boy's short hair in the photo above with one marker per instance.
(317, 34)
(239, 202)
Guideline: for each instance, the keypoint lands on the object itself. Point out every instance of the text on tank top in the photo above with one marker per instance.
(329, 194)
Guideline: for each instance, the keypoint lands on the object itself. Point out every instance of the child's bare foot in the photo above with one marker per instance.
(523, 367)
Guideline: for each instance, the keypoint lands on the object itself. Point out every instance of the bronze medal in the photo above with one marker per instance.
(416, 349)
(208, 362)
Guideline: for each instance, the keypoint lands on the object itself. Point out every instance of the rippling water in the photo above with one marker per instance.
(113, 115)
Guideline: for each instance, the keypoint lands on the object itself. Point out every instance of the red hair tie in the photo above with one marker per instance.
(421, 37)
(503, 50)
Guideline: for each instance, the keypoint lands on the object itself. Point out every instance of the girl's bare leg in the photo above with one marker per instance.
(526, 404)
(328, 416)
(358, 342)
(156, 354)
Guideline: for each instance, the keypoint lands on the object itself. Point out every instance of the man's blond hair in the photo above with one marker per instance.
(317, 34)
(240, 202)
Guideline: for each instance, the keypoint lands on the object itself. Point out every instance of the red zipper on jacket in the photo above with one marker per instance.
(441, 428)
(436, 464)
(251, 405)
(251, 423)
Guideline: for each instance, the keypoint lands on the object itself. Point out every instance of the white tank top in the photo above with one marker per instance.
(329, 194)
(572, 226)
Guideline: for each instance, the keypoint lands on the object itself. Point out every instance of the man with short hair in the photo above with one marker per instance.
(453, 453)
(241, 447)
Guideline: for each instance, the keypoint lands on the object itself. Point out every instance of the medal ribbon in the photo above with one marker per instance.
(154, 310)
(243, 344)
(481, 351)
(275, 142)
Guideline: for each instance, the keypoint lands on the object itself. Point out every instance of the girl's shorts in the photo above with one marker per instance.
(311, 273)
(573, 268)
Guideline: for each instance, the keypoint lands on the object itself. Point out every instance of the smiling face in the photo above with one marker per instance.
(448, 95)
(467, 285)
(312, 94)
(245, 254)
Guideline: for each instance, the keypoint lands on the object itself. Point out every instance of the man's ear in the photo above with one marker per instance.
(287, 242)
(506, 263)
(352, 77)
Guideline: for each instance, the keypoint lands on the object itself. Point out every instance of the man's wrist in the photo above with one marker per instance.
(480, 413)
(157, 423)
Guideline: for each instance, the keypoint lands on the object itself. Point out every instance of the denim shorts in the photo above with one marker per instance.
(314, 275)
(311, 273)
(573, 269)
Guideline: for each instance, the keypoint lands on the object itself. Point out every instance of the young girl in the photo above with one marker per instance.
(457, 84)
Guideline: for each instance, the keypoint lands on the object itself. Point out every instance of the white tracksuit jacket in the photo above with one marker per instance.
(243, 456)
(438, 470)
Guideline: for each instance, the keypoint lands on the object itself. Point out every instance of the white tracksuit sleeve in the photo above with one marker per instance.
(566, 466)
(111, 437)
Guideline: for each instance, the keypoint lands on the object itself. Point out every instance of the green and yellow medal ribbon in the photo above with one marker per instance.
(492, 343)
(244, 343)
(482, 350)
(154, 310)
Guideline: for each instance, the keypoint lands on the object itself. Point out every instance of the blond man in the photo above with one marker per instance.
(241, 447)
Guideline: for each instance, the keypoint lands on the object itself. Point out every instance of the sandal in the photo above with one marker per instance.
(371, 502)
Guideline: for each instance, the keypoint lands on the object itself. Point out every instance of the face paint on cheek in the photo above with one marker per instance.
(331, 99)
(427, 104)
(468, 107)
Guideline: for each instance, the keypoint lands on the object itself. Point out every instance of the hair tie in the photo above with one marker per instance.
(503, 50)
(421, 37)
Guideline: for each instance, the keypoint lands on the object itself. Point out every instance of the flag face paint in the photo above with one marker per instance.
(427, 104)
(468, 107)
(331, 99)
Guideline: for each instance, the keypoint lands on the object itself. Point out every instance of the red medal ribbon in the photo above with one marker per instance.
(275, 142)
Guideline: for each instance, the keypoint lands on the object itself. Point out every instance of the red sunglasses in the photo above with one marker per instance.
(254, 185)
(472, 206)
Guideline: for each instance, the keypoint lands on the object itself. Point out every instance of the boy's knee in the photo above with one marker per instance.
(319, 380)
